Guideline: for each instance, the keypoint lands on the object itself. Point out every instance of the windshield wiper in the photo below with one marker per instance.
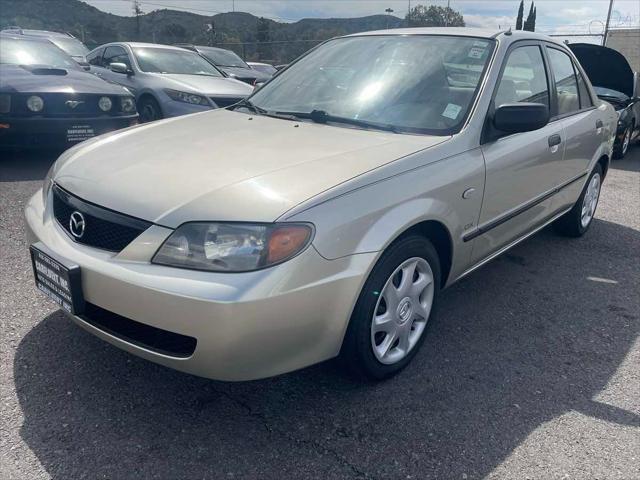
(246, 103)
(320, 116)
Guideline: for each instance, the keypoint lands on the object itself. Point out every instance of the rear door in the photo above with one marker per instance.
(520, 168)
(574, 108)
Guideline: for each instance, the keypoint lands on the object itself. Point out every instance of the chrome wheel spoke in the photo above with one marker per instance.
(385, 346)
(404, 343)
(383, 323)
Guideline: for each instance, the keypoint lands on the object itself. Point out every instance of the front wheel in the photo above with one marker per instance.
(393, 310)
(149, 110)
(576, 221)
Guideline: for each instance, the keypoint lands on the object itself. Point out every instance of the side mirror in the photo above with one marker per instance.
(85, 66)
(520, 117)
(119, 68)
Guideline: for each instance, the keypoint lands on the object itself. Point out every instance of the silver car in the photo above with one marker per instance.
(339, 201)
(167, 81)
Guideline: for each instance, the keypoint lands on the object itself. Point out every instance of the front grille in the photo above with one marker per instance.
(222, 102)
(56, 106)
(140, 334)
(103, 228)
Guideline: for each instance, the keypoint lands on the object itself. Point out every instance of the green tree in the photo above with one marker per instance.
(530, 22)
(434, 16)
(520, 15)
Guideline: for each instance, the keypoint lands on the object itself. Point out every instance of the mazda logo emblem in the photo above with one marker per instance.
(76, 224)
(73, 103)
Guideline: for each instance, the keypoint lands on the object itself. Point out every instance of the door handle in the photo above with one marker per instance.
(555, 140)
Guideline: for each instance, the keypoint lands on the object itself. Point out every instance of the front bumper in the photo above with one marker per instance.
(24, 132)
(247, 325)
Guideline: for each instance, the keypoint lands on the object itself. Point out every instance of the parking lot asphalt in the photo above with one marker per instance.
(531, 370)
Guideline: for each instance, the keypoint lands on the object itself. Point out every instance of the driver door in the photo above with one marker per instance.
(520, 168)
(116, 54)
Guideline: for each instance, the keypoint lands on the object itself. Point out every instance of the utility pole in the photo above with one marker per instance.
(606, 27)
(446, 14)
(389, 12)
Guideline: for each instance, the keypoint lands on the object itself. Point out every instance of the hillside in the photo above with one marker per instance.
(237, 31)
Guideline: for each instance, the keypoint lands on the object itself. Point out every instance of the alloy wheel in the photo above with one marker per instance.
(626, 141)
(590, 200)
(402, 310)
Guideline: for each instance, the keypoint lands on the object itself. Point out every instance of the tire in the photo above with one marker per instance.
(149, 110)
(574, 223)
(620, 151)
(357, 352)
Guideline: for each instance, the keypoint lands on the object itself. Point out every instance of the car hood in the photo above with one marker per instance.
(223, 165)
(26, 79)
(208, 85)
(605, 67)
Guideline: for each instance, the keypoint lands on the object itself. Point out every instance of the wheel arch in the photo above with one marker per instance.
(603, 161)
(438, 234)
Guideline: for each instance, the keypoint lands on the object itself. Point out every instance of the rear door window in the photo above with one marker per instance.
(566, 82)
(583, 91)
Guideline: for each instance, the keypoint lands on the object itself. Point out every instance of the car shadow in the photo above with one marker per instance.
(534, 334)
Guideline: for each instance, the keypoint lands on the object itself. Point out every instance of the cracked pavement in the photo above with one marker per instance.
(531, 370)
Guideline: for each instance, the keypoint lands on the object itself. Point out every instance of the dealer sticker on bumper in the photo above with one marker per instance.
(79, 133)
(58, 279)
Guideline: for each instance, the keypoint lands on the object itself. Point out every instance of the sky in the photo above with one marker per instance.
(553, 16)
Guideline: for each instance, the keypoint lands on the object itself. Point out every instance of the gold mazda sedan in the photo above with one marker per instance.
(323, 215)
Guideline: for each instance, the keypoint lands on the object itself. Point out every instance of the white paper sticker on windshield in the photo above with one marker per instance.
(476, 52)
(452, 111)
(480, 43)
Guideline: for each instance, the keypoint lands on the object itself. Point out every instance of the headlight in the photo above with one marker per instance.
(105, 104)
(232, 247)
(5, 103)
(187, 97)
(35, 103)
(47, 184)
(128, 104)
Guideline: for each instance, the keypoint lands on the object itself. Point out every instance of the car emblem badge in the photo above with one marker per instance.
(73, 103)
(76, 224)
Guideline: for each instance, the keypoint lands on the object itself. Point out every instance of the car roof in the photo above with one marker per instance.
(218, 49)
(22, 38)
(143, 44)
(36, 33)
(487, 33)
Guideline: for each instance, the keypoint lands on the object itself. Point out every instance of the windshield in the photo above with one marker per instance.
(27, 52)
(223, 58)
(72, 46)
(413, 83)
(165, 60)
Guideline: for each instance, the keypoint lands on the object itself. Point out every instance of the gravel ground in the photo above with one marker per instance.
(532, 370)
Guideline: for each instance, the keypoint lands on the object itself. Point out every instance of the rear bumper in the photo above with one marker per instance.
(246, 325)
(57, 132)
